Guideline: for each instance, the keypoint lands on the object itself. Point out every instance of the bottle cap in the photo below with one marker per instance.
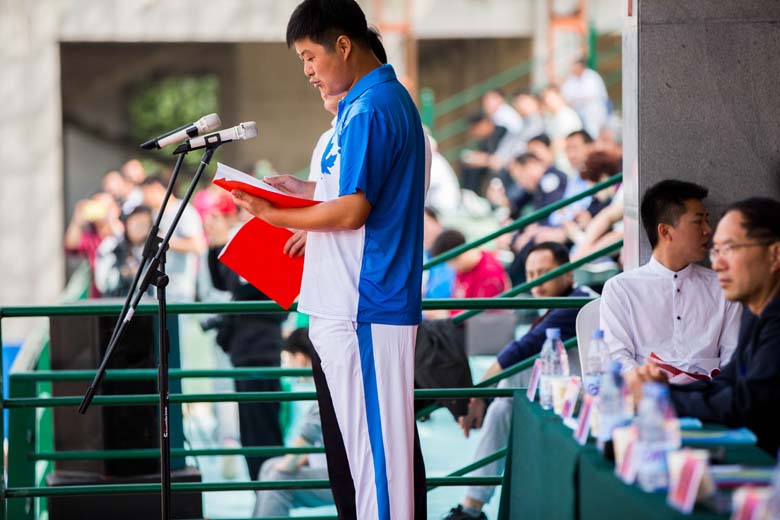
(597, 334)
(553, 333)
(655, 390)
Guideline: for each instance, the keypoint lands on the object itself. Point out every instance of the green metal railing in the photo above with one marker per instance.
(23, 402)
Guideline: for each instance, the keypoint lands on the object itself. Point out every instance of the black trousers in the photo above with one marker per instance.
(259, 422)
(338, 466)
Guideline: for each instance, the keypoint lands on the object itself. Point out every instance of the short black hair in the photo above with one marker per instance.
(323, 21)
(525, 158)
(582, 133)
(664, 203)
(477, 117)
(298, 342)
(447, 240)
(760, 217)
(559, 252)
(138, 210)
(542, 138)
(154, 179)
(375, 42)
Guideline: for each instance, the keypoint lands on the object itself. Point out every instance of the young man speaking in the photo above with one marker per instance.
(363, 263)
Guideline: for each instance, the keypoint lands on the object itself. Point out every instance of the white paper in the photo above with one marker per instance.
(226, 172)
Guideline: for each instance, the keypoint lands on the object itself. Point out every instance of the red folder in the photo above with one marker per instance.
(256, 252)
(674, 371)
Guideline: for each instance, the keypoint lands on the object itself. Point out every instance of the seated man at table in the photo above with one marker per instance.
(542, 258)
(671, 307)
(746, 257)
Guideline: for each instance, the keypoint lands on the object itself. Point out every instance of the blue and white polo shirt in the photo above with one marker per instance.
(373, 274)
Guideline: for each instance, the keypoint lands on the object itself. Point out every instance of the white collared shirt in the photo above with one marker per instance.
(680, 316)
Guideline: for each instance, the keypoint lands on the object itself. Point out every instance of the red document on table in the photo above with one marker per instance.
(681, 376)
(256, 251)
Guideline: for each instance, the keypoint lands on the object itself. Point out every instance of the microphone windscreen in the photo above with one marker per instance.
(209, 123)
(250, 129)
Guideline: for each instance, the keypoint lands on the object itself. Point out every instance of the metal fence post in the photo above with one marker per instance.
(427, 114)
(21, 442)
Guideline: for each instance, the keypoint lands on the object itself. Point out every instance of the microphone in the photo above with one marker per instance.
(201, 126)
(246, 130)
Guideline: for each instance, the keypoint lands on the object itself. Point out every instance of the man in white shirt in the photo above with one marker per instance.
(585, 92)
(671, 307)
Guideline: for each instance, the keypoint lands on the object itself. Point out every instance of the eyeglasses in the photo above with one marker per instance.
(726, 251)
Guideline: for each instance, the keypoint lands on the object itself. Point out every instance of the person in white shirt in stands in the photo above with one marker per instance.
(585, 92)
(671, 307)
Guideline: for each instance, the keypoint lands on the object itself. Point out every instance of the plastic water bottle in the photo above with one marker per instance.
(610, 406)
(550, 360)
(561, 356)
(596, 362)
(652, 441)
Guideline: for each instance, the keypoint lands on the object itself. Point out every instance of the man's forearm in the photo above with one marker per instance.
(337, 215)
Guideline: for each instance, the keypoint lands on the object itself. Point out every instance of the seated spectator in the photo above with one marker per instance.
(119, 257)
(538, 184)
(569, 223)
(671, 307)
(559, 119)
(585, 92)
(478, 274)
(444, 190)
(495, 106)
(495, 431)
(746, 257)
(541, 187)
(527, 105)
(578, 146)
(279, 502)
(495, 147)
(605, 228)
(93, 220)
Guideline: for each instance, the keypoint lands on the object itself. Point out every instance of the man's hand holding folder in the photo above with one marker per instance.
(268, 257)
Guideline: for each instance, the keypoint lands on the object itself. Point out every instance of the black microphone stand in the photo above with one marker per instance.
(154, 249)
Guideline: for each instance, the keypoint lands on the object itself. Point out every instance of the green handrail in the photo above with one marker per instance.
(206, 487)
(153, 453)
(234, 397)
(522, 222)
(142, 374)
(558, 271)
(266, 306)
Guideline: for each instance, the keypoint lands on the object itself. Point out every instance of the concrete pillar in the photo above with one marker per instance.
(701, 102)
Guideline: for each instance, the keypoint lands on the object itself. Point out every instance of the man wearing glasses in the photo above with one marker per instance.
(746, 258)
(671, 309)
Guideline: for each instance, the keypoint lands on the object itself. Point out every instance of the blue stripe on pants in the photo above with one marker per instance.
(366, 345)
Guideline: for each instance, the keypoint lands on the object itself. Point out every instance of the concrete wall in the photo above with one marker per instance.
(706, 99)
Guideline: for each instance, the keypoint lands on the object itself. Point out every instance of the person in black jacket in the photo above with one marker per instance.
(746, 256)
(251, 340)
